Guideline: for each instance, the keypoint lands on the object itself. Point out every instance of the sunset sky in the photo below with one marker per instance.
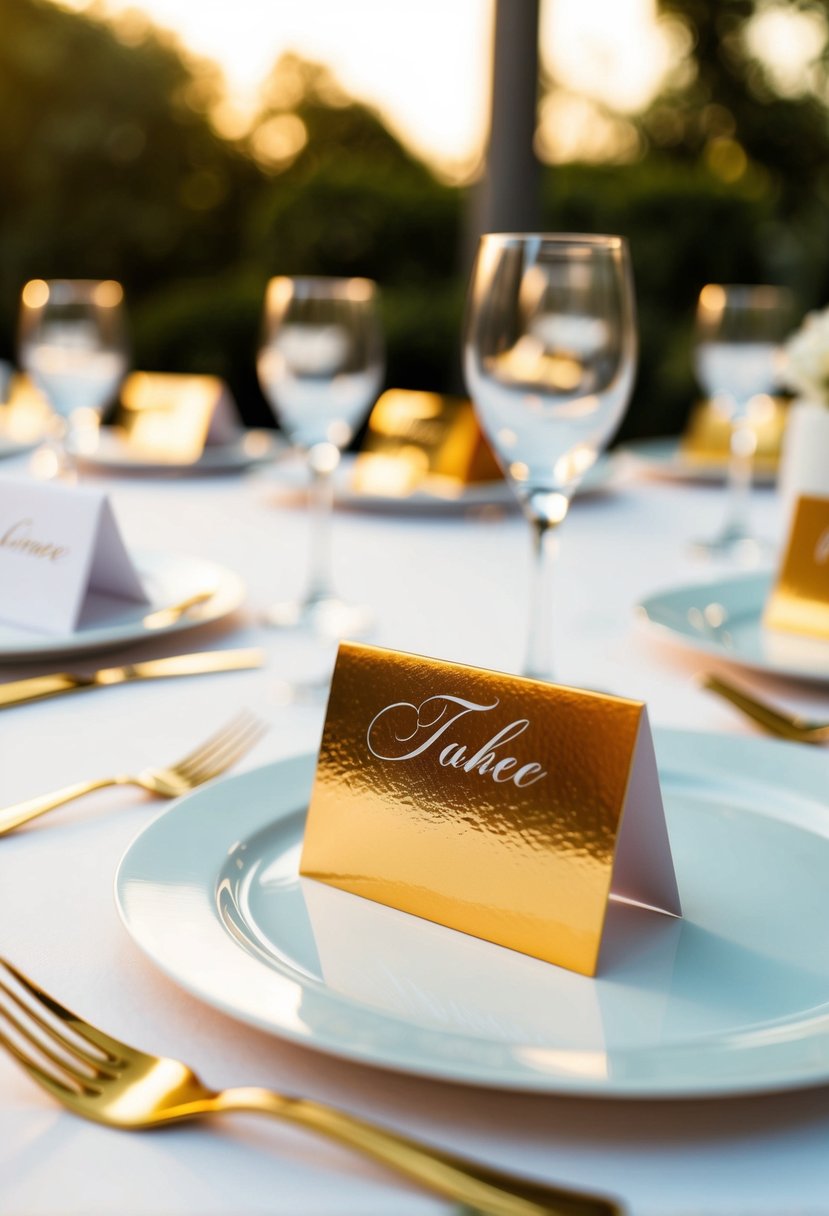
(425, 63)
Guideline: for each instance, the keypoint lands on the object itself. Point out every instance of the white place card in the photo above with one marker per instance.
(59, 546)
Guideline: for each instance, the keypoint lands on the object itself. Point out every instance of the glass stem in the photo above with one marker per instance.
(539, 663)
(320, 584)
(742, 446)
(59, 443)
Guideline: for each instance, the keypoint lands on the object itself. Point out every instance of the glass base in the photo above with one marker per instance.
(329, 618)
(735, 545)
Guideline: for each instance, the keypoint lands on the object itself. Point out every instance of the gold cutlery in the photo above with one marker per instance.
(103, 1079)
(209, 760)
(35, 688)
(162, 618)
(773, 719)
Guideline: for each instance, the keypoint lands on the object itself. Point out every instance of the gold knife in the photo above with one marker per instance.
(37, 687)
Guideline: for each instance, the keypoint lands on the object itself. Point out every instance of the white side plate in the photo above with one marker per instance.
(665, 460)
(733, 998)
(723, 618)
(292, 481)
(251, 448)
(108, 623)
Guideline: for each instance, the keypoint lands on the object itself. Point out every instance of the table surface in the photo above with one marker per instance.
(453, 586)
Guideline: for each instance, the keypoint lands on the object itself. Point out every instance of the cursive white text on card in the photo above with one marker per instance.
(419, 727)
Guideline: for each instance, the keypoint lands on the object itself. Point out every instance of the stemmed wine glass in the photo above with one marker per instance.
(738, 356)
(73, 344)
(549, 361)
(321, 365)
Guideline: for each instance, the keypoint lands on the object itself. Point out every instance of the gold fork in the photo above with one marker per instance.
(103, 1079)
(776, 721)
(209, 760)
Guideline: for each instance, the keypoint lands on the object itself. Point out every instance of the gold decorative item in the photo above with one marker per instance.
(36, 688)
(799, 602)
(163, 618)
(773, 719)
(486, 802)
(171, 417)
(707, 435)
(131, 1090)
(25, 415)
(422, 441)
(210, 759)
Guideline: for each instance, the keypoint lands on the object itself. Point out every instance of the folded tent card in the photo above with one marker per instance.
(173, 417)
(422, 441)
(799, 600)
(506, 808)
(59, 546)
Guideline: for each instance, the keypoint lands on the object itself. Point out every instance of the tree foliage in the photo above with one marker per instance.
(110, 164)
(112, 167)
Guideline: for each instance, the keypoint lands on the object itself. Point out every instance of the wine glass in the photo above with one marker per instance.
(320, 366)
(73, 345)
(549, 360)
(737, 357)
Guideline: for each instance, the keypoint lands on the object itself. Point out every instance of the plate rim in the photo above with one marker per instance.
(704, 645)
(99, 461)
(479, 495)
(652, 1087)
(660, 457)
(229, 596)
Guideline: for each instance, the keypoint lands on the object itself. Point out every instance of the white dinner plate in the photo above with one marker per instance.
(723, 618)
(112, 454)
(293, 481)
(664, 459)
(108, 623)
(733, 998)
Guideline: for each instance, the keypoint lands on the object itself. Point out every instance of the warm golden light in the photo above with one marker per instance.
(712, 298)
(426, 66)
(278, 293)
(108, 294)
(35, 293)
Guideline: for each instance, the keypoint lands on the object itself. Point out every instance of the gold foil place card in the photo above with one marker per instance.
(25, 415)
(799, 601)
(422, 441)
(506, 808)
(707, 436)
(61, 552)
(171, 417)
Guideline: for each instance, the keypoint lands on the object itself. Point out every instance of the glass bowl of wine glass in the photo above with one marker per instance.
(321, 365)
(549, 359)
(73, 346)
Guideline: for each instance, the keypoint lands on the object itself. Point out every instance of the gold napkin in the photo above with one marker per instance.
(422, 441)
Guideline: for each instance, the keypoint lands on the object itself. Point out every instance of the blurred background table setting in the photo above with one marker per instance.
(547, 404)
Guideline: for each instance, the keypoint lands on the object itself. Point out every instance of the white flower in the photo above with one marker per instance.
(807, 358)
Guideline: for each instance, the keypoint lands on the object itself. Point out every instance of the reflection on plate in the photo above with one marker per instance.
(109, 623)
(664, 459)
(732, 998)
(111, 453)
(293, 480)
(724, 619)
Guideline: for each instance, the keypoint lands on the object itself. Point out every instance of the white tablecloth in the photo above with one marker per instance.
(450, 586)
